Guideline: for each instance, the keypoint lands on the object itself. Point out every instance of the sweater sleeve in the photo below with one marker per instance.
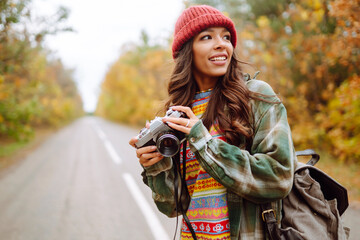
(160, 178)
(263, 175)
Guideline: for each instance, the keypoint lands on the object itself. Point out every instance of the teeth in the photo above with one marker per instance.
(218, 59)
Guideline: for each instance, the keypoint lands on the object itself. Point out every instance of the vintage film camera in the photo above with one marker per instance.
(166, 139)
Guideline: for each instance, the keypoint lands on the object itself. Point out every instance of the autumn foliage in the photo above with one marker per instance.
(308, 50)
(134, 86)
(35, 87)
(309, 53)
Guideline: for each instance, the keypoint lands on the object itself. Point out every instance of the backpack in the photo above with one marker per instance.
(313, 207)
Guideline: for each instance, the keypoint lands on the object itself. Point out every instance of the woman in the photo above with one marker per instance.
(239, 153)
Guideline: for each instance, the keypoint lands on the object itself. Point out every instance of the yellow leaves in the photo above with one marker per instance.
(303, 67)
(246, 35)
(3, 95)
(319, 71)
(328, 93)
(263, 22)
(135, 85)
(341, 120)
(296, 41)
(267, 57)
(27, 75)
(45, 101)
(18, 81)
(304, 14)
(33, 96)
(283, 81)
(314, 4)
(302, 124)
(319, 15)
(154, 60)
(311, 14)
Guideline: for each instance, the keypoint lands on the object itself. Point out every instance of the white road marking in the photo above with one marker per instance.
(156, 228)
(152, 220)
(109, 147)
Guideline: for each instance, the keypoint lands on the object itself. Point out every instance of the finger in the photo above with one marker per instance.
(186, 110)
(152, 161)
(179, 121)
(145, 150)
(186, 123)
(180, 128)
(148, 156)
(133, 141)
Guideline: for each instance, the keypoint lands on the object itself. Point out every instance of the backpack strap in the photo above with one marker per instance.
(269, 217)
(315, 157)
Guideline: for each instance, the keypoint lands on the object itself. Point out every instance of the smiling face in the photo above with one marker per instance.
(212, 51)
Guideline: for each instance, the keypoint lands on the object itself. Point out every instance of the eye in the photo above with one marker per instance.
(227, 37)
(205, 37)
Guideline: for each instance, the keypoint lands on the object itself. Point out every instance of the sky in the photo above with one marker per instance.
(101, 29)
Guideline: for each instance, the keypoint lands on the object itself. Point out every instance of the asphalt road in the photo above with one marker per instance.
(84, 183)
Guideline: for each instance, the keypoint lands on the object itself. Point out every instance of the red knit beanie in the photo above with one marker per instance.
(195, 19)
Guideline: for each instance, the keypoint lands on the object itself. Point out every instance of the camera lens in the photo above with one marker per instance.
(168, 144)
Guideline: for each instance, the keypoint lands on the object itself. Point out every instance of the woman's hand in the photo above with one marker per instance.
(182, 124)
(147, 155)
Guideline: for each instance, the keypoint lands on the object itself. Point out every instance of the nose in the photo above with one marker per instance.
(219, 43)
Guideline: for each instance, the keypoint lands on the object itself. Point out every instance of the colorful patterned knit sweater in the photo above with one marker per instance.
(208, 210)
(263, 175)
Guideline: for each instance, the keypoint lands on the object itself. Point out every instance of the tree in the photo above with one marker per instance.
(307, 50)
(135, 84)
(33, 89)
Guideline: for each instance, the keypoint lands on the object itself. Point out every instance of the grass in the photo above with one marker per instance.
(12, 151)
(7, 149)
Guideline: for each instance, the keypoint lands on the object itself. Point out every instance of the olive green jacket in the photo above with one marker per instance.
(265, 174)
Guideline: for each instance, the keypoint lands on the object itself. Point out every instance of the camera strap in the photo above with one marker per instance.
(178, 202)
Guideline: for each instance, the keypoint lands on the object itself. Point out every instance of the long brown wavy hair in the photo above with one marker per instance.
(229, 103)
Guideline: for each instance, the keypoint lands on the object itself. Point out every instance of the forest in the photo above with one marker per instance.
(307, 50)
(36, 89)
